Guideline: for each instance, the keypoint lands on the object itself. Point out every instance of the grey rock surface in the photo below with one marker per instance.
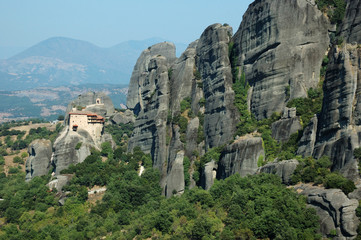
(65, 152)
(335, 209)
(123, 117)
(280, 45)
(150, 125)
(221, 116)
(175, 177)
(141, 71)
(105, 108)
(286, 126)
(351, 26)
(60, 182)
(340, 118)
(39, 161)
(307, 142)
(209, 174)
(241, 157)
(283, 169)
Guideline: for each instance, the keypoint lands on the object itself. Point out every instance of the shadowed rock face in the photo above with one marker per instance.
(335, 210)
(286, 126)
(280, 44)
(283, 169)
(141, 72)
(351, 26)
(241, 157)
(339, 121)
(213, 63)
(65, 152)
(39, 161)
(307, 142)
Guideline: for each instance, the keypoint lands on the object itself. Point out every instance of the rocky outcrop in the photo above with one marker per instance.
(150, 126)
(175, 176)
(286, 126)
(241, 157)
(65, 151)
(340, 118)
(283, 169)
(123, 117)
(96, 102)
(39, 161)
(351, 26)
(60, 182)
(308, 139)
(221, 116)
(335, 210)
(280, 53)
(209, 174)
(135, 100)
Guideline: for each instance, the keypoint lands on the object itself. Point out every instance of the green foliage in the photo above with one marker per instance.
(197, 75)
(318, 171)
(335, 180)
(185, 104)
(106, 149)
(18, 159)
(120, 133)
(335, 9)
(212, 154)
(170, 73)
(61, 118)
(308, 107)
(202, 102)
(78, 145)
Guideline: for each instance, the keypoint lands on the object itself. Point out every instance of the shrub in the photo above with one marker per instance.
(335, 180)
(78, 145)
(18, 159)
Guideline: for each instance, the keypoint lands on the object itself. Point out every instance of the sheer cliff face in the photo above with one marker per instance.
(339, 122)
(280, 45)
(351, 26)
(214, 65)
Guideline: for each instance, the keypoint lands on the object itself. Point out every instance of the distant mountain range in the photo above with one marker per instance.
(50, 102)
(63, 61)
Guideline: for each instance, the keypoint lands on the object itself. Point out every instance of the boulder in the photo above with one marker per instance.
(39, 161)
(280, 53)
(123, 117)
(60, 182)
(175, 176)
(209, 174)
(335, 210)
(283, 169)
(241, 157)
(308, 139)
(286, 126)
(65, 152)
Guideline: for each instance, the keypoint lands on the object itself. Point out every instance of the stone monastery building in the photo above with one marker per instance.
(88, 121)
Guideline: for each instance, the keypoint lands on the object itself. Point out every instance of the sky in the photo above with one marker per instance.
(105, 23)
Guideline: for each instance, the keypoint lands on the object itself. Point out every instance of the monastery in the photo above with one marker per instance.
(88, 121)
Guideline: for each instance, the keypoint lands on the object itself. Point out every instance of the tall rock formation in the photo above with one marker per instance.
(39, 161)
(339, 121)
(221, 116)
(280, 46)
(351, 26)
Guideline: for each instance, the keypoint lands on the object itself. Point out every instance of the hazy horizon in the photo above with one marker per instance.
(107, 23)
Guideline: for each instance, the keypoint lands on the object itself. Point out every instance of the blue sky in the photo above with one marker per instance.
(105, 23)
